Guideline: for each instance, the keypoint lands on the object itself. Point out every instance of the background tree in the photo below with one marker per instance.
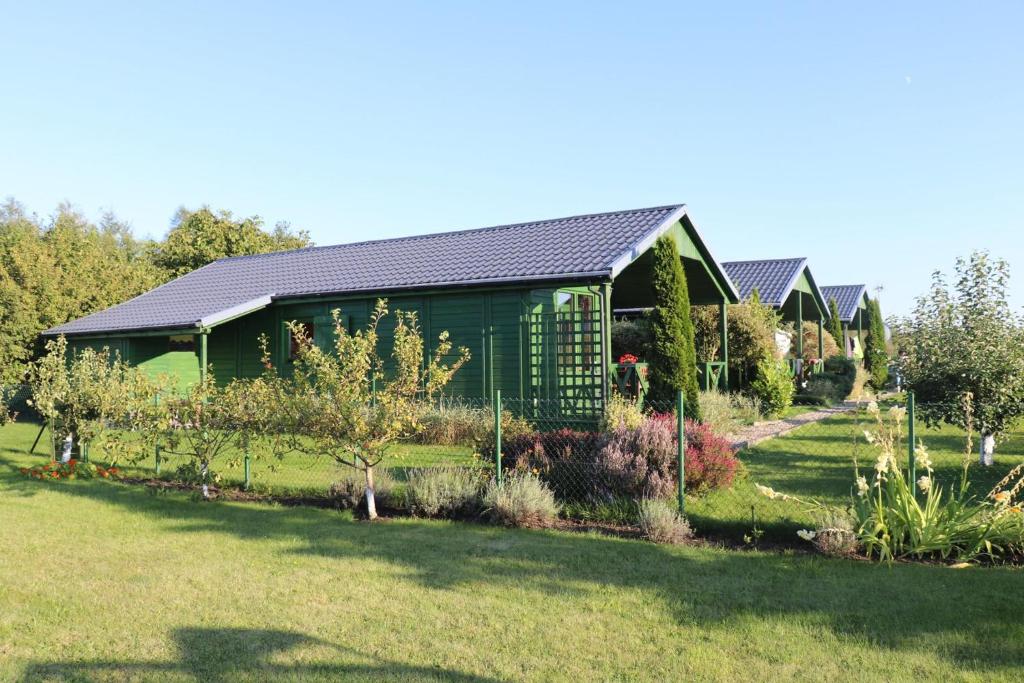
(54, 271)
(65, 267)
(707, 338)
(332, 402)
(966, 340)
(835, 325)
(752, 327)
(203, 236)
(673, 362)
(876, 357)
(810, 332)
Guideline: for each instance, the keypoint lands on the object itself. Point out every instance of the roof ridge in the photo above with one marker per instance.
(767, 260)
(409, 238)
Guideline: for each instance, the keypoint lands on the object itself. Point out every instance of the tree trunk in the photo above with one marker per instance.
(987, 449)
(371, 503)
(205, 469)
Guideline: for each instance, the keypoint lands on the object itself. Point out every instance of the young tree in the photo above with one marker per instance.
(210, 424)
(966, 340)
(876, 358)
(345, 414)
(673, 362)
(95, 398)
(835, 325)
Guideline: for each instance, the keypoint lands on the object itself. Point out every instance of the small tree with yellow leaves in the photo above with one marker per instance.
(344, 402)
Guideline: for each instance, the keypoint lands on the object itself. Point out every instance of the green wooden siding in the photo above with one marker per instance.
(492, 324)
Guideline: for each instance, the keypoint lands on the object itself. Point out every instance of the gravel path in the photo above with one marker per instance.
(761, 431)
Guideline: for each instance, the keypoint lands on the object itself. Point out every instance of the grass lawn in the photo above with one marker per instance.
(816, 461)
(104, 581)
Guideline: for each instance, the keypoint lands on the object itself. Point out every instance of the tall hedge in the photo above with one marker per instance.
(835, 325)
(673, 360)
(876, 359)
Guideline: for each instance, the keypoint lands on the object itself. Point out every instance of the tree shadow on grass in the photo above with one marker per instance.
(220, 654)
(892, 607)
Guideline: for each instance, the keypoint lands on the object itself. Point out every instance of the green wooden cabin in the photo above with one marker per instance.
(852, 302)
(788, 286)
(531, 301)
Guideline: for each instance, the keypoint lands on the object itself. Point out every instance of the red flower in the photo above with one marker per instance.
(627, 358)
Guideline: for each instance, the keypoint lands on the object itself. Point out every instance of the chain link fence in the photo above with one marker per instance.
(600, 471)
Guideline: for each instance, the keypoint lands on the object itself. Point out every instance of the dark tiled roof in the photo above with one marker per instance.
(773, 279)
(848, 298)
(574, 248)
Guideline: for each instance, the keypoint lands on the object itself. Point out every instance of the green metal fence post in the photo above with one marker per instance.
(248, 472)
(158, 460)
(681, 451)
(497, 436)
(912, 463)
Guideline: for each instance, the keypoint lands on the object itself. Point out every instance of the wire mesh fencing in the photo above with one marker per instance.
(601, 466)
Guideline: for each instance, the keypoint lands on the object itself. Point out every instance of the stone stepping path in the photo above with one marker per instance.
(762, 431)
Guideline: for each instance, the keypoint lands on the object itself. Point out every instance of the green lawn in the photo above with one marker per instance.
(105, 581)
(816, 461)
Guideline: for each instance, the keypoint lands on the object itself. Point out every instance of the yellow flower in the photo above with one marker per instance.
(925, 484)
(873, 408)
(1002, 497)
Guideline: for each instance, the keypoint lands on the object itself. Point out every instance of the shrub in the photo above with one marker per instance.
(456, 423)
(661, 523)
(443, 491)
(860, 389)
(752, 328)
(810, 331)
(707, 339)
(843, 369)
(821, 389)
(673, 362)
(564, 459)
(725, 413)
(772, 387)
(620, 412)
(641, 463)
(522, 500)
(348, 490)
(835, 533)
(631, 336)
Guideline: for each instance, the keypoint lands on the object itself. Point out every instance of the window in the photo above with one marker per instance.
(182, 342)
(293, 341)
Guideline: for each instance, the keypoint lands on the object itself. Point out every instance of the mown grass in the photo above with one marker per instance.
(105, 581)
(816, 461)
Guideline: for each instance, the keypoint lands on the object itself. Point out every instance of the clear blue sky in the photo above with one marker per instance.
(879, 141)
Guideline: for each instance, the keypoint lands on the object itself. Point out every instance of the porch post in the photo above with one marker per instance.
(860, 327)
(799, 326)
(202, 356)
(821, 338)
(723, 339)
(846, 340)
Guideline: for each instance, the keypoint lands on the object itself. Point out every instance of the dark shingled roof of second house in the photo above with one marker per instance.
(773, 278)
(579, 248)
(847, 297)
